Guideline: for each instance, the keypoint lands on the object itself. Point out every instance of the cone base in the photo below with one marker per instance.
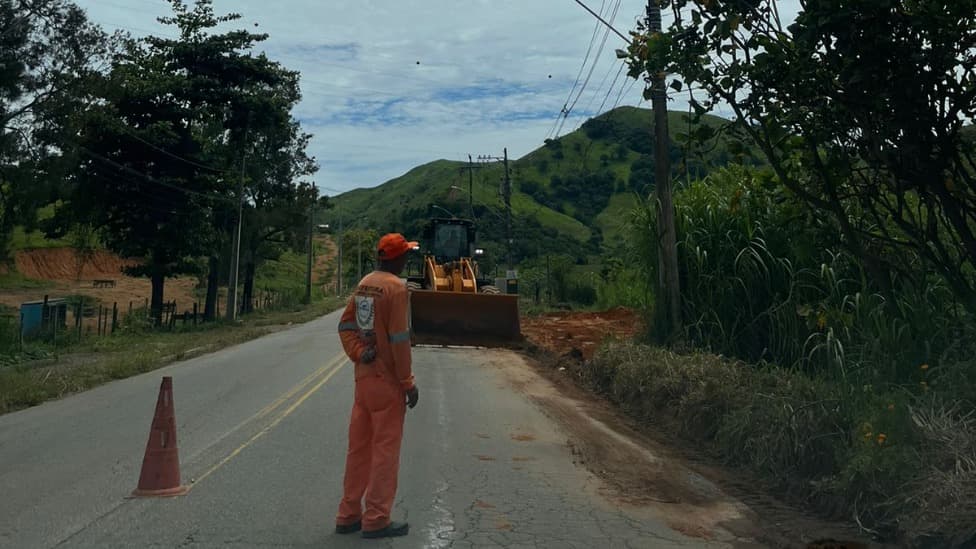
(165, 492)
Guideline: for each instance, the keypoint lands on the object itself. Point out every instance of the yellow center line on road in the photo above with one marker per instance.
(280, 400)
(336, 364)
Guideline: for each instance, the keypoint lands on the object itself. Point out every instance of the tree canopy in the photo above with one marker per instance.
(860, 110)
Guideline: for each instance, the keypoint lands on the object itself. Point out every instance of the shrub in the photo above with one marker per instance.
(904, 465)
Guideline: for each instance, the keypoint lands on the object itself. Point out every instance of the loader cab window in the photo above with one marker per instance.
(451, 241)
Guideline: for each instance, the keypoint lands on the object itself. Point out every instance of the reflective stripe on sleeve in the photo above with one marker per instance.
(348, 327)
(400, 337)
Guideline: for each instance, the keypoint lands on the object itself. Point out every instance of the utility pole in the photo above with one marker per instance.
(669, 291)
(339, 274)
(236, 257)
(308, 267)
(359, 246)
(507, 193)
(507, 197)
(471, 167)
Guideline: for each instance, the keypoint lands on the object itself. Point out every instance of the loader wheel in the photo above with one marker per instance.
(493, 290)
(411, 286)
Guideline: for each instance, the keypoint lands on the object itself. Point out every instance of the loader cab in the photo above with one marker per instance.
(449, 239)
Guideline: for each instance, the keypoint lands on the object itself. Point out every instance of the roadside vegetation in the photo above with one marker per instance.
(828, 332)
(143, 154)
(42, 370)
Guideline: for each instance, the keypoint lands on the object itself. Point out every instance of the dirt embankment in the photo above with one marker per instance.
(65, 264)
(70, 274)
(563, 331)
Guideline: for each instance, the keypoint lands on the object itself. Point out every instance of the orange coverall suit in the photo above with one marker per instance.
(377, 314)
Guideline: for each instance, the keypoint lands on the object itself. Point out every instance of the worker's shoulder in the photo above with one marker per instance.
(382, 283)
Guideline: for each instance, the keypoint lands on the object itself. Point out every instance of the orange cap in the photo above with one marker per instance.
(393, 245)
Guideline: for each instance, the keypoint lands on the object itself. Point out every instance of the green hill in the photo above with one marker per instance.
(569, 196)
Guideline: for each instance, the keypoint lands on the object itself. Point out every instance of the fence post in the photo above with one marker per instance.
(115, 315)
(130, 307)
(196, 307)
(78, 317)
(45, 316)
(99, 330)
(148, 312)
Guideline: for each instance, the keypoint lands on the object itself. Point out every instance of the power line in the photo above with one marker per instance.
(564, 114)
(128, 132)
(151, 179)
(596, 58)
(589, 49)
(612, 86)
(609, 25)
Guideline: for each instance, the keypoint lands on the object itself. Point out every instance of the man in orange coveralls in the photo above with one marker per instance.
(375, 335)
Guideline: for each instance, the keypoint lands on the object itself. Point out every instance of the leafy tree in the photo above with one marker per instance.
(642, 174)
(163, 144)
(858, 107)
(48, 49)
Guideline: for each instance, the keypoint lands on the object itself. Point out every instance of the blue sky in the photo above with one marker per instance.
(388, 85)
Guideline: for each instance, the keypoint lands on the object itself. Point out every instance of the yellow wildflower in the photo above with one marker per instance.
(882, 438)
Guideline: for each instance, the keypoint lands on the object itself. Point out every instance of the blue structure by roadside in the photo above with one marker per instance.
(34, 317)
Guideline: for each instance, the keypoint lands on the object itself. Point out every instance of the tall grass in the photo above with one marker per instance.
(863, 397)
(765, 281)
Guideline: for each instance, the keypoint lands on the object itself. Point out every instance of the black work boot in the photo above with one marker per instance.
(395, 529)
(349, 528)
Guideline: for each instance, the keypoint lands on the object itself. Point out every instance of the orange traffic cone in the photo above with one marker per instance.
(161, 465)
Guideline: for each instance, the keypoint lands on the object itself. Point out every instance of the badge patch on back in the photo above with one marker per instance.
(365, 312)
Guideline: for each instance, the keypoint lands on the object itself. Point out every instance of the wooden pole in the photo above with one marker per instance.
(668, 299)
(115, 315)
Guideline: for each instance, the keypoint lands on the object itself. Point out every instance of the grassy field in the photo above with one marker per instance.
(40, 374)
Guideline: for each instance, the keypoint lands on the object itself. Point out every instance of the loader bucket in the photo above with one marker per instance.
(455, 318)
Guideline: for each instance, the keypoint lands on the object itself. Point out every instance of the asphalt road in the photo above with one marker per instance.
(262, 438)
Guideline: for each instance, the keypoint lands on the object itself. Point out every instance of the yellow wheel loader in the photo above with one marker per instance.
(451, 301)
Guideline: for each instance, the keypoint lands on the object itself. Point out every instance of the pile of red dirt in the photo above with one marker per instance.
(67, 264)
(563, 331)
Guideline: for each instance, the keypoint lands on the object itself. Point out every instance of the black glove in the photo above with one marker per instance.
(367, 356)
(412, 396)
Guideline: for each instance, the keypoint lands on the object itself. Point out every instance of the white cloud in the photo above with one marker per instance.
(491, 73)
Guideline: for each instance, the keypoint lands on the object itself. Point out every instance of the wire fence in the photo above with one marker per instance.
(66, 321)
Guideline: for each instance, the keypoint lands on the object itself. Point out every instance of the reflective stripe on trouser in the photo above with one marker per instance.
(373, 458)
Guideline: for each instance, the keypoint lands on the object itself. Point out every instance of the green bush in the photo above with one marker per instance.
(904, 465)
(855, 395)
(765, 281)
